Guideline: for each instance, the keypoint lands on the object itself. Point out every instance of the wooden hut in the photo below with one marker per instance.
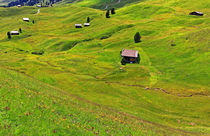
(130, 56)
(14, 32)
(86, 24)
(78, 25)
(19, 6)
(26, 19)
(197, 13)
(39, 6)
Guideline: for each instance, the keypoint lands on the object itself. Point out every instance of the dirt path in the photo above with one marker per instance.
(159, 89)
(38, 11)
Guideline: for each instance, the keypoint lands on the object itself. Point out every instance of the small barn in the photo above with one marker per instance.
(78, 25)
(39, 6)
(196, 13)
(19, 6)
(26, 19)
(14, 32)
(130, 56)
(86, 24)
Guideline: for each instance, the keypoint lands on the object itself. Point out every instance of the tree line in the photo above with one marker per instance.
(32, 2)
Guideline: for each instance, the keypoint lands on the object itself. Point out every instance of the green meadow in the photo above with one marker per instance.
(78, 85)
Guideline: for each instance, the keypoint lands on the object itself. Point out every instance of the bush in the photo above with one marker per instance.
(123, 62)
(38, 52)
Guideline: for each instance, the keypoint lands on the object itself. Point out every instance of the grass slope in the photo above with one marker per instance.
(30, 107)
(78, 62)
(104, 4)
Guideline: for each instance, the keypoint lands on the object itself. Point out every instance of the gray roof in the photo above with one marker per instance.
(198, 12)
(87, 24)
(78, 24)
(26, 19)
(14, 32)
(129, 53)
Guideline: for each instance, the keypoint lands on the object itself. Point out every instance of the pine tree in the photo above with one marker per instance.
(137, 37)
(88, 19)
(112, 11)
(8, 35)
(20, 30)
(107, 14)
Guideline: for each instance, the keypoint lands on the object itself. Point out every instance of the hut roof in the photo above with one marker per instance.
(87, 24)
(19, 5)
(196, 13)
(78, 24)
(26, 19)
(14, 32)
(129, 53)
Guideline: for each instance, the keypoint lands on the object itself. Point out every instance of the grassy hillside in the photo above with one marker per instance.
(102, 4)
(31, 107)
(87, 70)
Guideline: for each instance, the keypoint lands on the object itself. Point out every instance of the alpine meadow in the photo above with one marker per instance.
(105, 68)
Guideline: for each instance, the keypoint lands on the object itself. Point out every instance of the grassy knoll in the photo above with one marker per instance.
(86, 68)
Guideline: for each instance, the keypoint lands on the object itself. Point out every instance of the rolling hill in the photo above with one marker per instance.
(78, 85)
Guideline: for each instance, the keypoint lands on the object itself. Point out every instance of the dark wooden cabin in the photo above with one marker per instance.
(130, 56)
(78, 25)
(196, 13)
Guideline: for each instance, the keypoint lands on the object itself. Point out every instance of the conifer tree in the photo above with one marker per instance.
(112, 11)
(20, 30)
(8, 35)
(88, 19)
(137, 37)
(107, 14)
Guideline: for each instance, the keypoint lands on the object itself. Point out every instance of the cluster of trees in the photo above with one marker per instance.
(108, 12)
(32, 2)
(17, 2)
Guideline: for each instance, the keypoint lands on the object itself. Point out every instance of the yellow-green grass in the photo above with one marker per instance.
(79, 62)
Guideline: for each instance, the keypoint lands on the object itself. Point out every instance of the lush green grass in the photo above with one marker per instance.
(79, 63)
(104, 4)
